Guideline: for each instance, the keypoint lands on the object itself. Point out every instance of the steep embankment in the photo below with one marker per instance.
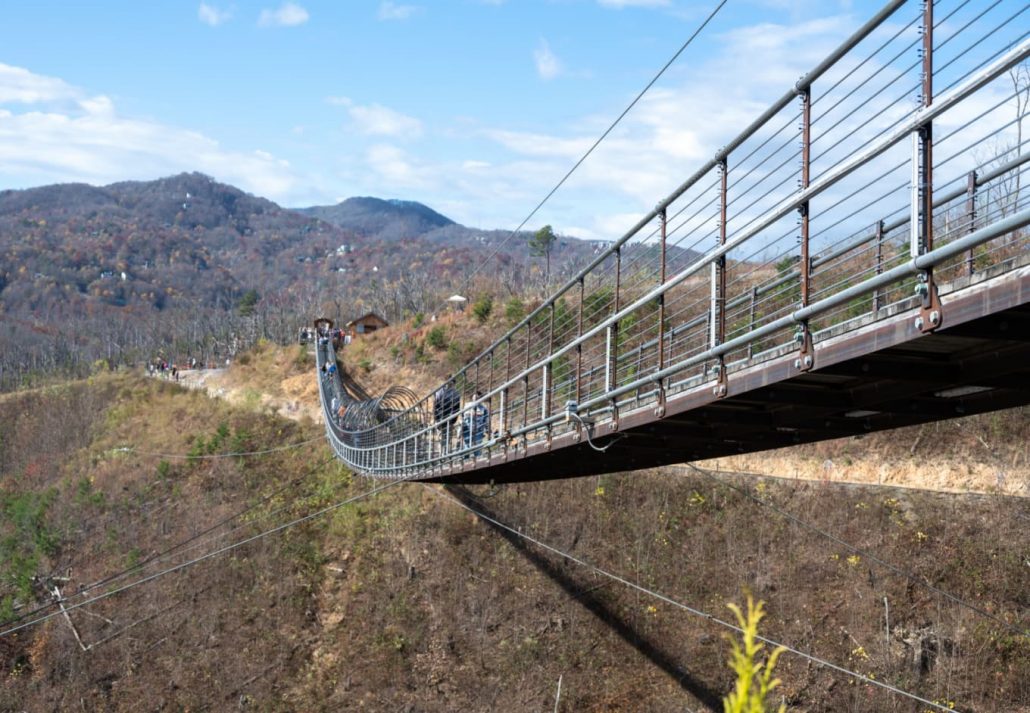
(268, 378)
(405, 601)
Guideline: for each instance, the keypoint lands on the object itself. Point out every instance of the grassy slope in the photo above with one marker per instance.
(108, 510)
(406, 602)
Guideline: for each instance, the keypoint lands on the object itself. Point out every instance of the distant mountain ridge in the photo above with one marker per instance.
(390, 219)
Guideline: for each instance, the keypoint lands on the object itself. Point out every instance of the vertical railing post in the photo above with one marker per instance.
(663, 218)
(504, 415)
(579, 347)
(611, 360)
(504, 394)
(751, 320)
(970, 216)
(717, 312)
(489, 387)
(660, 347)
(549, 367)
(878, 293)
(490, 374)
(930, 314)
(525, 375)
(803, 336)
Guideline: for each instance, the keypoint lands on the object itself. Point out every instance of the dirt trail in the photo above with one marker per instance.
(299, 399)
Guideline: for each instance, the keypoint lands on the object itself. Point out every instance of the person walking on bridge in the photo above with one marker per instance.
(446, 405)
(475, 423)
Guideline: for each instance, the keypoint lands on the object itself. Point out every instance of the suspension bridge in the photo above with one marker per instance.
(853, 260)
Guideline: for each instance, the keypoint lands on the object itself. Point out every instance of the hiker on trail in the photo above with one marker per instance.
(446, 405)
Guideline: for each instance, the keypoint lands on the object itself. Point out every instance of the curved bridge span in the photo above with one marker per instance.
(852, 261)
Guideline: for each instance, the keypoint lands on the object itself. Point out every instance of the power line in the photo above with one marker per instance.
(603, 136)
(162, 555)
(156, 557)
(211, 456)
(204, 557)
(864, 553)
(686, 607)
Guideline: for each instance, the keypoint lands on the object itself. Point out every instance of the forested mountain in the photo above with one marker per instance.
(195, 266)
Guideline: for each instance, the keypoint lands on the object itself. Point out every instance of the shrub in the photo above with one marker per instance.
(366, 365)
(419, 320)
(437, 337)
(514, 311)
(754, 678)
(482, 308)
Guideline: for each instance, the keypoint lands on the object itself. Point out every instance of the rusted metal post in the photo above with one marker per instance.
(579, 347)
(878, 293)
(717, 313)
(970, 216)
(661, 299)
(806, 163)
(505, 393)
(548, 375)
(805, 360)
(525, 378)
(751, 320)
(930, 313)
(613, 331)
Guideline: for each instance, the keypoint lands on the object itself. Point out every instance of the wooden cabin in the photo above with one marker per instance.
(366, 323)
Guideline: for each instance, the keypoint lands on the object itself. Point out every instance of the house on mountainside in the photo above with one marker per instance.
(366, 323)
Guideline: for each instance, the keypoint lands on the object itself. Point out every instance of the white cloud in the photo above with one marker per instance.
(67, 136)
(378, 120)
(22, 86)
(211, 15)
(338, 101)
(395, 166)
(287, 15)
(547, 64)
(392, 11)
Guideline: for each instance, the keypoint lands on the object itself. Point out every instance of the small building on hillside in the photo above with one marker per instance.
(366, 323)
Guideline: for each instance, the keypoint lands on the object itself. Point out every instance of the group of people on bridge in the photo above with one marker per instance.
(471, 424)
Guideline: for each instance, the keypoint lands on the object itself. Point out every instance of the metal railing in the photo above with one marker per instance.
(764, 251)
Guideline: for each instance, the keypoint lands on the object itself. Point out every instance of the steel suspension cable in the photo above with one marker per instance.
(207, 556)
(159, 556)
(603, 136)
(214, 456)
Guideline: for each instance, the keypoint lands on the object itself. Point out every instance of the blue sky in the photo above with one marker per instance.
(474, 107)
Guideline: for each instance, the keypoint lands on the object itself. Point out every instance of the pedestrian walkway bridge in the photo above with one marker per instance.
(854, 260)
